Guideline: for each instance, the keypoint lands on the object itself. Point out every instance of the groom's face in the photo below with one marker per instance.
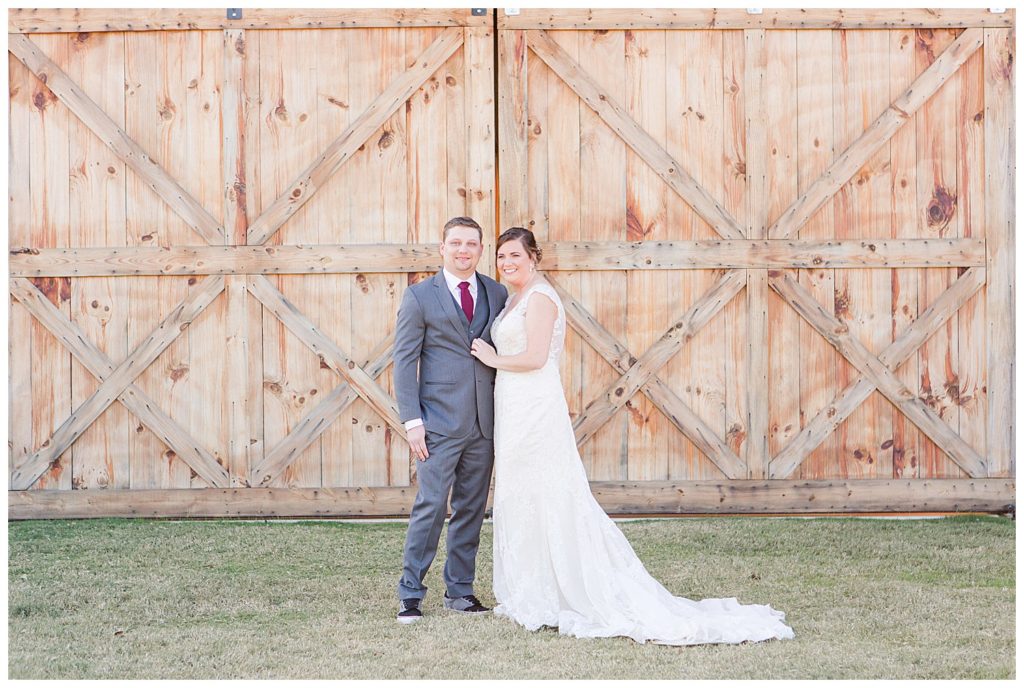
(461, 251)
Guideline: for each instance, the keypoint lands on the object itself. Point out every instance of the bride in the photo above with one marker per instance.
(559, 560)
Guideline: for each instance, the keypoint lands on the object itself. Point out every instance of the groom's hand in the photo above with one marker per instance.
(417, 438)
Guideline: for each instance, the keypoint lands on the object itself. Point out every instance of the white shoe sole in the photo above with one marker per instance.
(408, 619)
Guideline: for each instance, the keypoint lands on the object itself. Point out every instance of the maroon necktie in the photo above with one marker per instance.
(466, 300)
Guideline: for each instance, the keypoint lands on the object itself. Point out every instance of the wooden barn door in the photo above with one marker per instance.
(785, 244)
(212, 223)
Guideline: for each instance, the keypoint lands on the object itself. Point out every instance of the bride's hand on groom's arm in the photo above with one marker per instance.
(484, 352)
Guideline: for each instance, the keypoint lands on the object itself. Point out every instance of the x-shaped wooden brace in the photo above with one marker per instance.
(115, 382)
(660, 394)
(359, 382)
(878, 372)
(641, 373)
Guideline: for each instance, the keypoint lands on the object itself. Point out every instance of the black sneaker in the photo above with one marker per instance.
(467, 604)
(409, 611)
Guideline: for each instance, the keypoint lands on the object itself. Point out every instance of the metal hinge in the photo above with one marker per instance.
(234, 13)
(479, 11)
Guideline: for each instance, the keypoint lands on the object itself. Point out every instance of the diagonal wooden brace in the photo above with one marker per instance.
(134, 399)
(877, 372)
(115, 384)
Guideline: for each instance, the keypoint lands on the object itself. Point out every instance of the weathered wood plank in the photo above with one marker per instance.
(878, 373)
(1000, 204)
(49, 207)
(878, 134)
(649, 294)
(561, 256)
(768, 18)
(938, 215)
(757, 355)
(19, 228)
(317, 421)
(99, 365)
(994, 495)
(57, 20)
(478, 103)
(661, 395)
(100, 457)
(612, 113)
(782, 173)
(906, 438)
(735, 201)
(863, 210)
(234, 115)
(348, 143)
(602, 203)
(112, 387)
(682, 330)
(842, 406)
(512, 127)
(130, 152)
(328, 352)
(972, 378)
(815, 151)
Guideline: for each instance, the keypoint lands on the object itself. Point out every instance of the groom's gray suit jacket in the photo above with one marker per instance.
(436, 377)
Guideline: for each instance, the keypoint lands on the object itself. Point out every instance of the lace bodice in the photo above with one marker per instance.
(509, 329)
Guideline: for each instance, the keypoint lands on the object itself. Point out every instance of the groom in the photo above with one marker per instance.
(446, 400)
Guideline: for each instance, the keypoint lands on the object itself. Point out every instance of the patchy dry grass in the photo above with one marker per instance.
(158, 599)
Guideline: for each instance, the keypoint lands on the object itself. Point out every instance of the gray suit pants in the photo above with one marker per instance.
(463, 467)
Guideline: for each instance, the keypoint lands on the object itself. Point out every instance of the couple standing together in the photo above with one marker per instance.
(478, 385)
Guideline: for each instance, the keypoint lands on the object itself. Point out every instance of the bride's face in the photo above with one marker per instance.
(514, 263)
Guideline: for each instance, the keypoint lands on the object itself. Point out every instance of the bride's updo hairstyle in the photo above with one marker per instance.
(525, 237)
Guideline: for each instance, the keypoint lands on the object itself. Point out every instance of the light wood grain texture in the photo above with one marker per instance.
(815, 150)
(56, 20)
(329, 352)
(649, 295)
(907, 439)
(757, 294)
(1000, 139)
(479, 102)
(878, 134)
(782, 174)
(100, 457)
(735, 201)
(608, 107)
(49, 204)
(1000, 136)
(115, 383)
(99, 366)
(729, 18)
(992, 495)
(682, 331)
(658, 392)
(234, 115)
(19, 228)
(342, 148)
(939, 214)
(972, 377)
(317, 421)
(878, 373)
(512, 124)
(843, 405)
(130, 152)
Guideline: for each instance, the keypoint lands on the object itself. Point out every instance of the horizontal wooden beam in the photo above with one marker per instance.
(663, 497)
(633, 19)
(564, 255)
(53, 20)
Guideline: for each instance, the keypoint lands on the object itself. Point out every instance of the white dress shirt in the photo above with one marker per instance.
(453, 287)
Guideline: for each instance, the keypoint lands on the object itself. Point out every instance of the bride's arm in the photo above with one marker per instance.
(541, 314)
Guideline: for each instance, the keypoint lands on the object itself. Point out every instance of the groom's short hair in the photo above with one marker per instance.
(462, 222)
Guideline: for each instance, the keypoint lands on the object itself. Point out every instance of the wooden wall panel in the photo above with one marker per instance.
(755, 114)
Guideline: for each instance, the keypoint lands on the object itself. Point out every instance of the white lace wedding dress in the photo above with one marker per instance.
(559, 560)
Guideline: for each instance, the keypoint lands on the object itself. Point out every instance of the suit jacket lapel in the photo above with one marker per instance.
(494, 302)
(444, 297)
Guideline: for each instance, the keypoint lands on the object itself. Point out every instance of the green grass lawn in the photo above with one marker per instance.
(137, 599)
